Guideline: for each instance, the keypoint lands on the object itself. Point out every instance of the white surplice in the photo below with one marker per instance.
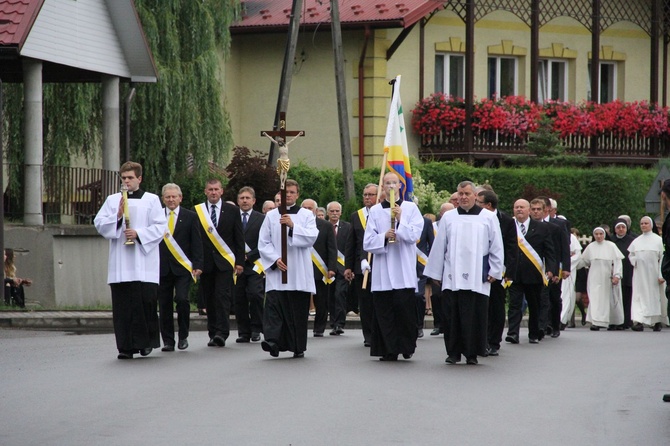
(568, 296)
(300, 273)
(394, 264)
(467, 249)
(141, 261)
(649, 304)
(605, 300)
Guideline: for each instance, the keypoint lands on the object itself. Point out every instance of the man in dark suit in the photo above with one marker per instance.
(536, 255)
(357, 261)
(223, 246)
(488, 199)
(339, 290)
(250, 286)
(325, 252)
(180, 262)
(551, 303)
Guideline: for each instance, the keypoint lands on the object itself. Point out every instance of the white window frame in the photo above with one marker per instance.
(614, 81)
(546, 77)
(498, 59)
(446, 87)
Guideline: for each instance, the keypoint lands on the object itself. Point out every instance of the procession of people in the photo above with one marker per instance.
(267, 267)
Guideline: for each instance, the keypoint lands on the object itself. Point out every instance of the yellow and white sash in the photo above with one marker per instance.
(340, 257)
(362, 218)
(258, 267)
(531, 254)
(421, 257)
(214, 237)
(321, 266)
(178, 253)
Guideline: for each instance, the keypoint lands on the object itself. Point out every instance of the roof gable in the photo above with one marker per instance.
(275, 15)
(16, 19)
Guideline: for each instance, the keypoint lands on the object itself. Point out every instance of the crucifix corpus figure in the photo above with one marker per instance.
(283, 166)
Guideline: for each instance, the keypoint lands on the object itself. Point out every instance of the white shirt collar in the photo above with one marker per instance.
(176, 212)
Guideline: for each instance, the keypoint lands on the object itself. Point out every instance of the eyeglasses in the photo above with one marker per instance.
(369, 195)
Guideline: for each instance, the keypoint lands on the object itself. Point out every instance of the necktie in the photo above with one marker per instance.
(213, 214)
(335, 229)
(171, 222)
(523, 229)
(244, 221)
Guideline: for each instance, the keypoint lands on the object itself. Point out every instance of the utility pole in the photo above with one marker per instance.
(287, 72)
(342, 110)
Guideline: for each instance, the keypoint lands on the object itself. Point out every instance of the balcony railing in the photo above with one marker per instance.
(70, 195)
(490, 145)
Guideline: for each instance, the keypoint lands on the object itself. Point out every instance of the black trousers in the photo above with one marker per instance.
(364, 305)
(627, 298)
(555, 305)
(217, 289)
(249, 295)
(174, 287)
(421, 302)
(468, 324)
(337, 301)
(496, 314)
(321, 304)
(134, 314)
(436, 304)
(394, 323)
(532, 292)
(285, 319)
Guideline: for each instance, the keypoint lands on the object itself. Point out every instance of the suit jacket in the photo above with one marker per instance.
(326, 246)
(254, 222)
(538, 234)
(562, 242)
(229, 227)
(425, 243)
(187, 236)
(354, 250)
(510, 243)
(343, 230)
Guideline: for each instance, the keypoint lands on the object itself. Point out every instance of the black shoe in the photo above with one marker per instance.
(419, 334)
(299, 354)
(452, 360)
(168, 348)
(493, 351)
(366, 343)
(611, 327)
(318, 334)
(389, 357)
(512, 339)
(540, 335)
(211, 343)
(407, 355)
(146, 351)
(534, 341)
(548, 330)
(658, 326)
(271, 348)
(219, 341)
(563, 326)
(255, 337)
(334, 332)
(183, 344)
(124, 355)
(202, 312)
(243, 340)
(556, 334)
(340, 330)
(472, 360)
(435, 332)
(594, 328)
(637, 327)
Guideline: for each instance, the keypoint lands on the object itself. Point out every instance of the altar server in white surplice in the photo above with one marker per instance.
(467, 256)
(568, 293)
(394, 279)
(133, 270)
(287, 305)
(649, 304)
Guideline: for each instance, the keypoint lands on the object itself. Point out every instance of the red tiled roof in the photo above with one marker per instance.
(274, 15)
(16, 19)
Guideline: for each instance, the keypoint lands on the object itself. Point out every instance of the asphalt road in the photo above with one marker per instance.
(585, 388)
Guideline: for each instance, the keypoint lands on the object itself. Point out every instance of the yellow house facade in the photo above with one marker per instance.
(430, 58)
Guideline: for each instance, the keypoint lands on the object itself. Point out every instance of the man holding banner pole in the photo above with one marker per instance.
(223, 246)
(180, 265)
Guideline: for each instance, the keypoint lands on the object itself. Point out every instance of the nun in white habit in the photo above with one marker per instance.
(603, 285)
(649, 304)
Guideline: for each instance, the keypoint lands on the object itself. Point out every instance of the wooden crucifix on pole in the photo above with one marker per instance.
(278, 137)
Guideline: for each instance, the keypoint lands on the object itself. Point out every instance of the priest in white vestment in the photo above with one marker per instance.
(394, 279)
(604, 283)
(649, 303)
(133, 270)
(467, 256)
(568, 293)
(287, 304)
